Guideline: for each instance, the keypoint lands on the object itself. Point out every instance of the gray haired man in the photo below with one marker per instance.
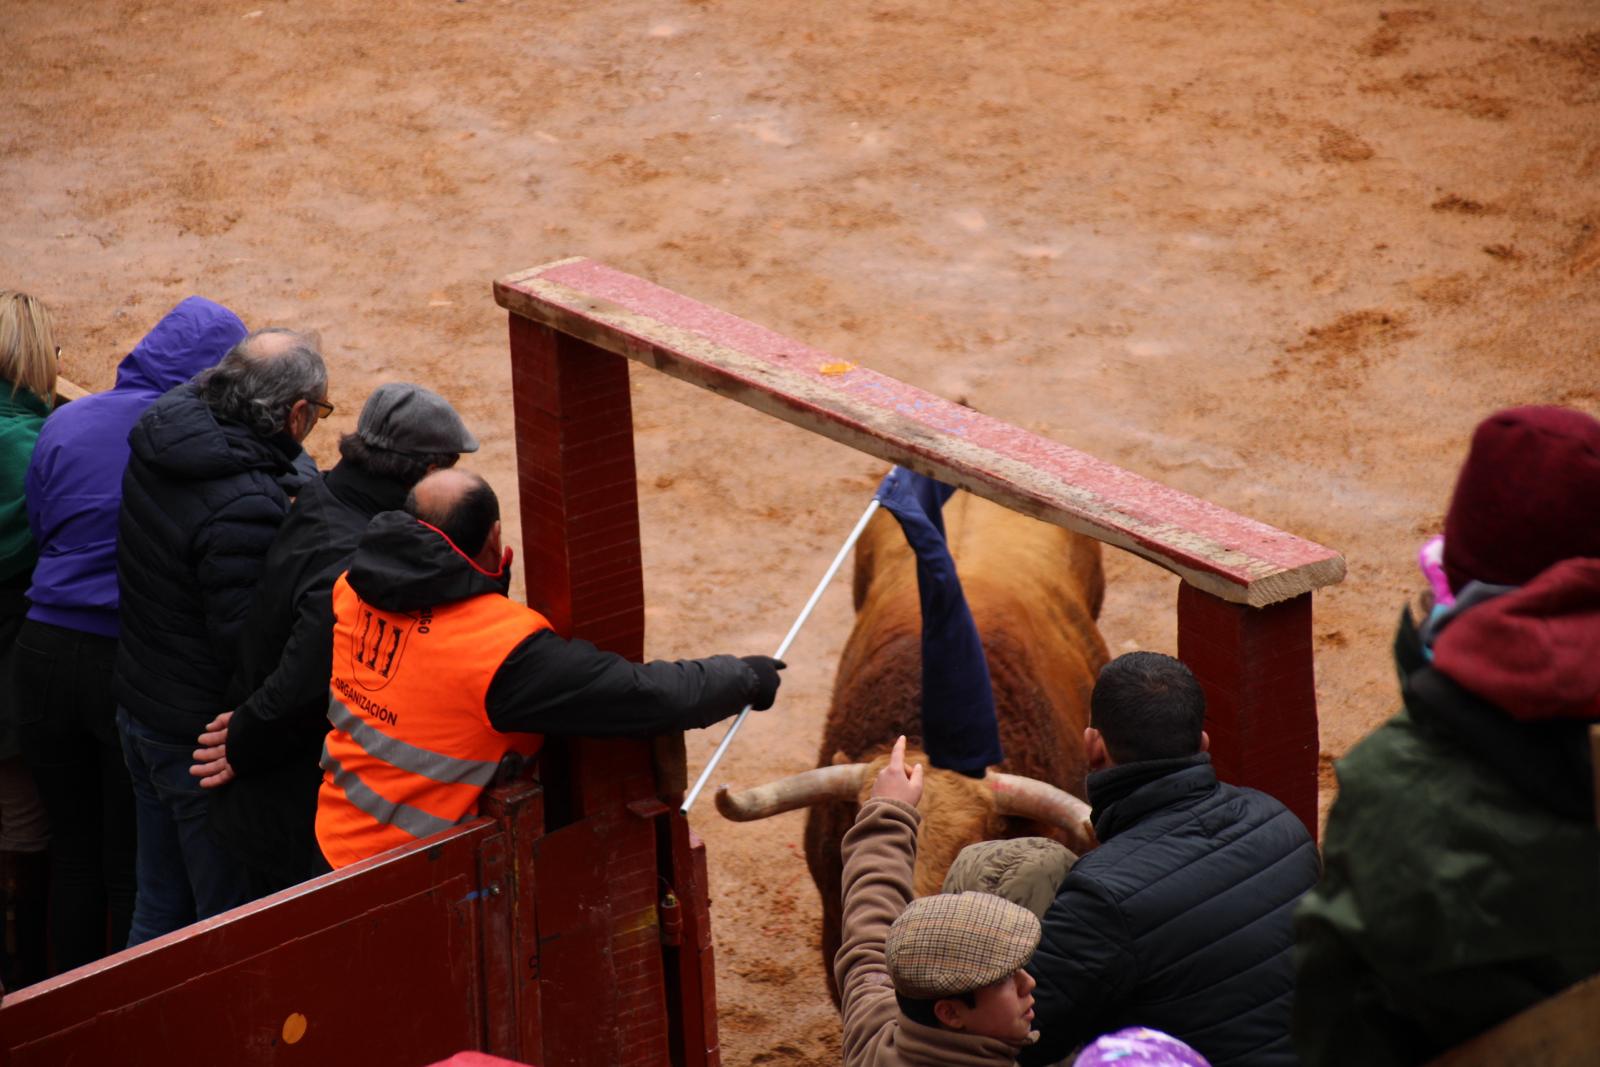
(213, 466)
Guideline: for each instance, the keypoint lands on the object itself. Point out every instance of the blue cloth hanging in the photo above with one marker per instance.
(960, 730)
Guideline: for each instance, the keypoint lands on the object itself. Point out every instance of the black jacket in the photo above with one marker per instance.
(266, 815)
(202, 500)
(1179, 921)
(547, 684)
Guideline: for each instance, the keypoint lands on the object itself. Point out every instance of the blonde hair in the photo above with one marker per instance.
(27, 345)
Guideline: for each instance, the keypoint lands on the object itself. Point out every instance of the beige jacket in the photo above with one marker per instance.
(879, 853)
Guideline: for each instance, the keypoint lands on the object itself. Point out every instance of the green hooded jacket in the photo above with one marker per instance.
(21, 416)
(1461, 877)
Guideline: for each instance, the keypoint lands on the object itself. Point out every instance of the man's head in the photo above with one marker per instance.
(956, 961)
(404, 432)
(1526, 497)
(1145, 706)
(273, 381)
(464, 508)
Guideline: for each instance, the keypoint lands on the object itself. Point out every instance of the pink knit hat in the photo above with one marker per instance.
(1527, 497)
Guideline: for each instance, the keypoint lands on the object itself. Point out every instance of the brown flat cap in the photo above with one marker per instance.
(956, 942)
(1024, 870)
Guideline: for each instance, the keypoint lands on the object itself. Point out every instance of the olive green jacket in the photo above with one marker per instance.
(1461, 878)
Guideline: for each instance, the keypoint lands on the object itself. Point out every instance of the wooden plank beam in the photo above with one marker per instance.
(1222, 553)
(69, 390)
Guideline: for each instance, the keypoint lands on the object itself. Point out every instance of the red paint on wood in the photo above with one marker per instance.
(575, 472)
(511, 934)
(692, 965)
(603, 986)
(1238, 558)
(401, 931)
(1255, 665)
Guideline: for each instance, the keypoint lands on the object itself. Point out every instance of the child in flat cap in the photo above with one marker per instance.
(932, 981)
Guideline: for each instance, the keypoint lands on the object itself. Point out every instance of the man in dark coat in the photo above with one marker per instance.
(262, 757)
(1462, 880)
(1180, 920)
(212, 469)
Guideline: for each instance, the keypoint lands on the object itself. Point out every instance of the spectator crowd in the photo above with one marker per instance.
(202, 635)
(224, 671)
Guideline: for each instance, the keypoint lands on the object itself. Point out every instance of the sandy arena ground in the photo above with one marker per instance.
(1279, 255)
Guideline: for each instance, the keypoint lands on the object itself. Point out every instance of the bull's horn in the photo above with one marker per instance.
(1030, 798)
(838, 782)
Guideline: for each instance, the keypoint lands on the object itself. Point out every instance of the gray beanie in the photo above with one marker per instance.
(401, 417)
(1024, 870)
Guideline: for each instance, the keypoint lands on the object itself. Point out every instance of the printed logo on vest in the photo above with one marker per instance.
(378, 644)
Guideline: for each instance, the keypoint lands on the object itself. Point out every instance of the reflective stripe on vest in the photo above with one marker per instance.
(410, 747)
(413, 821)
(397, 753)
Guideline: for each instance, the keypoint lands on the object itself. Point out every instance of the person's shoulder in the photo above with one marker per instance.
(1394, 752)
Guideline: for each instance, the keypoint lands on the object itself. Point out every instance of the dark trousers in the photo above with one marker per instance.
(183, 873)
(67, 720)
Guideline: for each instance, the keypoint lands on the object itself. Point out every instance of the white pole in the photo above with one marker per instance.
(805, 613)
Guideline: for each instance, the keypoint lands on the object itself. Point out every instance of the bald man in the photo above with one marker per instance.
(438, 677)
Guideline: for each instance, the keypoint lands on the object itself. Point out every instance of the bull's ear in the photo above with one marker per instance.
(839, 759)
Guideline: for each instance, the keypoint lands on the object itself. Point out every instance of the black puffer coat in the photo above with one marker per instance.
(265, 816)
(1179, 921)
(202, 500)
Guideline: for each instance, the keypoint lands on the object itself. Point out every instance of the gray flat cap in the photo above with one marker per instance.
(953, 943)
(401, 417)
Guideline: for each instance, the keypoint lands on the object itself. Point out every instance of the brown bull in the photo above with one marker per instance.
(1034, 591)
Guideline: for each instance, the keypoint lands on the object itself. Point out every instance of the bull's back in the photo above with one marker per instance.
(1034, 590)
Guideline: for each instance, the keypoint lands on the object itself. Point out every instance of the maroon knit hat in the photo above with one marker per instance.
(1528, 497)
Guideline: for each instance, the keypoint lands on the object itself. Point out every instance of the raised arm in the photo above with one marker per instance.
(880, 853)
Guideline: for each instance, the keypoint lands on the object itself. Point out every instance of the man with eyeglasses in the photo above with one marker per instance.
(214, 465)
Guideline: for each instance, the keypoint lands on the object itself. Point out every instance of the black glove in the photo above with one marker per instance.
(767, 679)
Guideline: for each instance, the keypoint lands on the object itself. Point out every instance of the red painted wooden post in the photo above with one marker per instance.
(576, 480)
(603, 980)
(1261, 698)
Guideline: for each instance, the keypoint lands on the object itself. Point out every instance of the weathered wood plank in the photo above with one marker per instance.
(1563, 1031)
(1222, 553)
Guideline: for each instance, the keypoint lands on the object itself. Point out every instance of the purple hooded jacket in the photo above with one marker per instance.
(74, 482)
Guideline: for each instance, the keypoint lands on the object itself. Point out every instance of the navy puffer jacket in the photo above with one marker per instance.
(1179, 921)
(202, 500)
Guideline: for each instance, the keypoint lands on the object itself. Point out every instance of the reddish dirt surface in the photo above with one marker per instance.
(1281, 256)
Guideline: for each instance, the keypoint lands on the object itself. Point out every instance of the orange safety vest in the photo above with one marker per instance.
(411, 749)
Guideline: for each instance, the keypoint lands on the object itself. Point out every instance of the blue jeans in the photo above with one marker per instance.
(182, 873)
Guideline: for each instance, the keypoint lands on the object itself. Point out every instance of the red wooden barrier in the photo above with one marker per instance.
(383, 962)
(614, 835)
(1244, 609)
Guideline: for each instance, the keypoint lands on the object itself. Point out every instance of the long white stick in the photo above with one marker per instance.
(805, 613)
